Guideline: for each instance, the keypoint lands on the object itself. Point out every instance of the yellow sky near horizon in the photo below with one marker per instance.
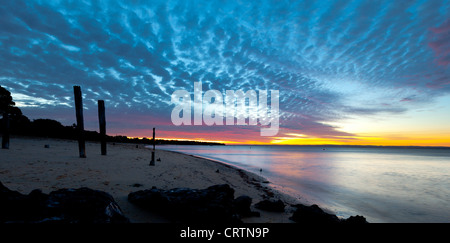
(423, 126)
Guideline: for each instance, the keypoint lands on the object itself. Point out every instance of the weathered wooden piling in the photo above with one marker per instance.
(152, 162)
(80, 122)
(102, 124)
(5, 136)
(154, 139)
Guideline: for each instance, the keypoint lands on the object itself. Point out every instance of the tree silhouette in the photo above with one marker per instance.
(19, 124)
(6, 102)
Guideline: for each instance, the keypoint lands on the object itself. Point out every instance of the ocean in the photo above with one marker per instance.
(383, 184)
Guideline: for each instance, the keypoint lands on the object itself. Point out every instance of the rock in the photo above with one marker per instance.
(355, 220)
(271, 206)
(82, 205)
(312, 214)
(241, 206)
(16, 207)
(85, 205)
(214, 204)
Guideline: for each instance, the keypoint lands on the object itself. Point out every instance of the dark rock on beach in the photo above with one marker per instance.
(355, 220)
(314, 214)
(213, 204)
(241, 206)
(83, 205)
(270, 205)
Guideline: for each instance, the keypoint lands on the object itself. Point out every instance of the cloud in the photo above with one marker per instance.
(441, 43)
(329, 59)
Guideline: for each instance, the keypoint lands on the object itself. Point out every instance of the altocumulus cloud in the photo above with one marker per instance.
(329, 59)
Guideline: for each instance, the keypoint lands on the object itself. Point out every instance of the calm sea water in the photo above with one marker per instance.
(382, 184)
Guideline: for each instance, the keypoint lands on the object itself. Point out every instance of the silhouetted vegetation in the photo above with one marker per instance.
(21, 125)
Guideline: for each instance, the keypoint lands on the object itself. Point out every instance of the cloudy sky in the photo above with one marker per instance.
(348, 72)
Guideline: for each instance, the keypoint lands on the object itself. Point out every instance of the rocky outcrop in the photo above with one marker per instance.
(83, 205)
(241, 206)
(213, 204)
(314, 214)
(270, 205)
(355, 220)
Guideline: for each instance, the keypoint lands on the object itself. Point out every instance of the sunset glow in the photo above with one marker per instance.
(347, 72)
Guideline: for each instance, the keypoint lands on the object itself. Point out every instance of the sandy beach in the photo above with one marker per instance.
(28, 165)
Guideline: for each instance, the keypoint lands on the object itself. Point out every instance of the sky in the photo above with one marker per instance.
(348, 72)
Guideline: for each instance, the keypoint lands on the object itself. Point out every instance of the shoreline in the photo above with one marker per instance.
(253, 179)
(126, 169)
(270, 186)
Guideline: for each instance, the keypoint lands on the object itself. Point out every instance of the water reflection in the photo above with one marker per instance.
(383, 184)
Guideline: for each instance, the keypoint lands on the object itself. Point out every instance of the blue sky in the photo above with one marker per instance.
(334, 62)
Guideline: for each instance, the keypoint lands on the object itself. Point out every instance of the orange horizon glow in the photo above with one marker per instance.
(186, 139)
(367, 142)
(358, 141)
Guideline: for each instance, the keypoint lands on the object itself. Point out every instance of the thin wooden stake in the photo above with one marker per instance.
(152, 162)
(154, 139)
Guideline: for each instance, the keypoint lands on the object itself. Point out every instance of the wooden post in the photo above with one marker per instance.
(153, 139)
(102, 124)
(80, 122)
(152, 162)
(5, 136)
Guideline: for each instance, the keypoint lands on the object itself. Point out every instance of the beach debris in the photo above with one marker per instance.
(83, 205)
(159, 159)
(215, 204)
(256, 184)
(47, 146)
(217, 171)
(268, 193)
(314, 214)
(270, 205)
(136, 185)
